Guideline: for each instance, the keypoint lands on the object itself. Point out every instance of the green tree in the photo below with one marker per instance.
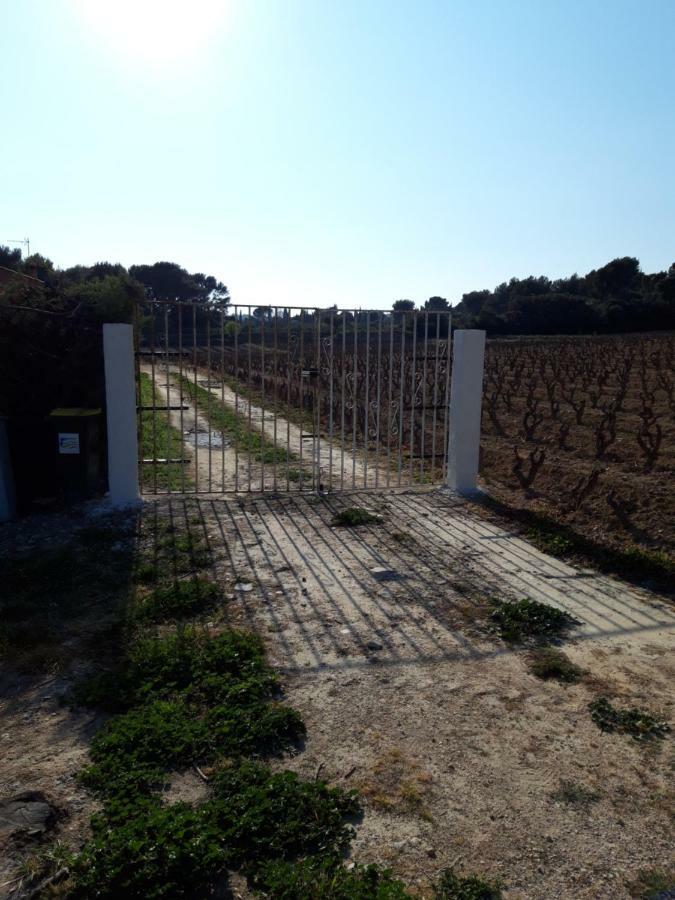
(169, 281)
(403, 305)
(437, 304)
(9, 258)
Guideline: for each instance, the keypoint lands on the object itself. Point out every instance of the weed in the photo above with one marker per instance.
(277, 816)
(547, 662)
(354, 516)
(575, 794)
(325, 878)
(184, 698)
(134, 750)
(187, 665)
(160, 440)
(519, 619)
(51, 594)
(180, 600)
(451, 886)
(253, 816)
(639, 724)
(397, 784)
(652, 884)
(159, 852)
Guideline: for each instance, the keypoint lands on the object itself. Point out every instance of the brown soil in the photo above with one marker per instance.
(631, 503)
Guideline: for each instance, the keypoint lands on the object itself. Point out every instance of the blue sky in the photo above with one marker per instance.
(350, 152)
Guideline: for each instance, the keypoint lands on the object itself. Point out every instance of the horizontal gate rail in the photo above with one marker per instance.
(242, 398)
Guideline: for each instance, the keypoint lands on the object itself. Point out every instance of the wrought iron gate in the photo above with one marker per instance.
(242, 398)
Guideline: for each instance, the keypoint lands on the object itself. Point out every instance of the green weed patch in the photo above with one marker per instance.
(640, 724)
(520, 619)
(180, 600)
(470, 887)
(160, 440)
(354, 516)
(328, 879)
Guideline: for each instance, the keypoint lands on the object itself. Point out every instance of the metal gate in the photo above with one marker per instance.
(243, 398)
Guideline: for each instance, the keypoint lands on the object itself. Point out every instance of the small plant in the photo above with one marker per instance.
(354, 516)
(547, 662)
(519, 619)
(451, 886)
(326, 878)
(639, 724)
(653, 884)
(575, 794)
(180, 600)
(157, 852)
(264, 815)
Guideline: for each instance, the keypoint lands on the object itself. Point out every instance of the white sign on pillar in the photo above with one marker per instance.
(120, 392)
(466, 393)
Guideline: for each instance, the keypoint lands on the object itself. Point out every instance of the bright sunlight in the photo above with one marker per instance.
(154, 33)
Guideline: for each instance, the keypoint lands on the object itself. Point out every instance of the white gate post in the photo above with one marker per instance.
(466, 393)
(120, 393)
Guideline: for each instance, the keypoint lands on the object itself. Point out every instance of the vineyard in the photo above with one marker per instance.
(580, 430)
(374, 385)
(583, 429)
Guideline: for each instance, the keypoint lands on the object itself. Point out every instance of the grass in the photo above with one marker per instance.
(640, 724)
(651, 883)
(455, 887)
(548, 662)
(173, 552)
(184, 697)
(354, 516)
(397, 784)
(235, 424)
(327, 879)
(517, 620)
(53, 596)
(160, 440)
(180, 600)
(574, 794)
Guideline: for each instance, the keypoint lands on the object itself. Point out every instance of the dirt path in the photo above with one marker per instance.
(338, 467)
(457, 748)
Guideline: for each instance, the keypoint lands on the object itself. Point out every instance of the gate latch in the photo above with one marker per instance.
(310, 373)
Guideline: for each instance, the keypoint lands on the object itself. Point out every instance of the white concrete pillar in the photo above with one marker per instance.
(466, 393)
(7, 495)
(120, 392)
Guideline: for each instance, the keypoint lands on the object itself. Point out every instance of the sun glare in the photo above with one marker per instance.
(156, 33)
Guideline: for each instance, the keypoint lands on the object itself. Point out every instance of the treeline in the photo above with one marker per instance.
(616, 298)
(104, 291)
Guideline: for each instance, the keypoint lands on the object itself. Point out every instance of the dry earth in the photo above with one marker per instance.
(455, 746)
(380, 635)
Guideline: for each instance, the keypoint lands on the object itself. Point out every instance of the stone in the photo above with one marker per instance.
(374, 646)
(27, 814)
(243, 587)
